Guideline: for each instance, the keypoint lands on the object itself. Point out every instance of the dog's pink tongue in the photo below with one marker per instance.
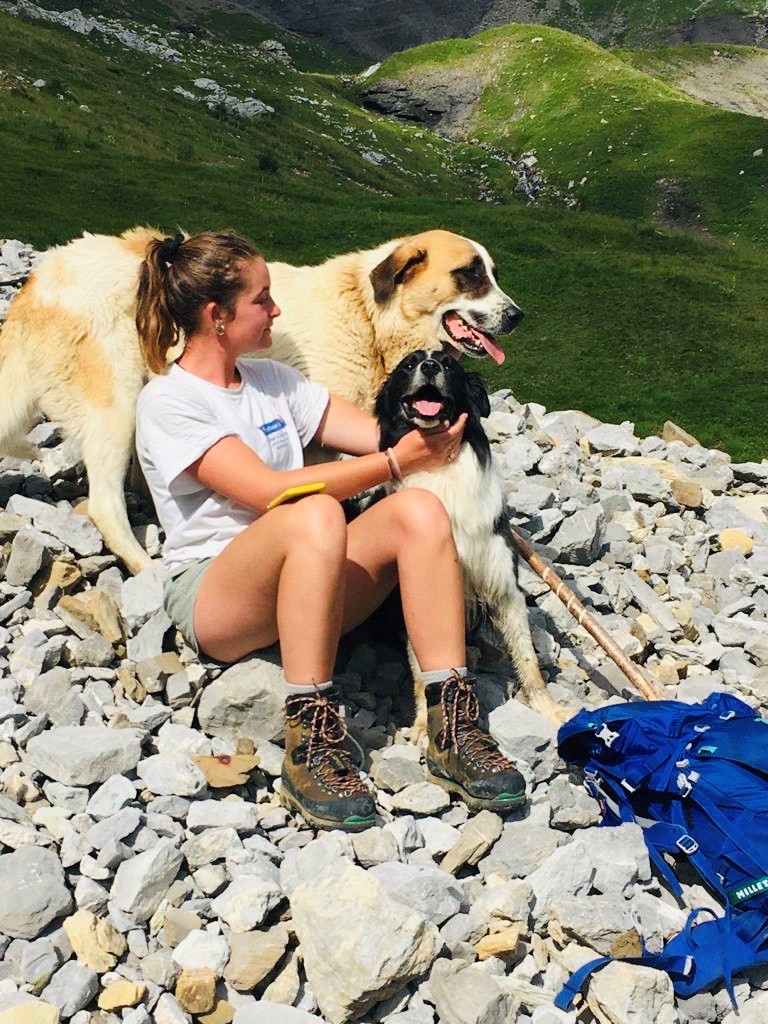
(493, 350)
(427, 409)
(459, 329)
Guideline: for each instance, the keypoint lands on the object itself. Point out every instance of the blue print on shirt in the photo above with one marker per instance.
(272, 426)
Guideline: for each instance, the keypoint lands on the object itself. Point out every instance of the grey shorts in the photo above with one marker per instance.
(180, 593)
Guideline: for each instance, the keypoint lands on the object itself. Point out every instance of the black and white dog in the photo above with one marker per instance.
(424, 390)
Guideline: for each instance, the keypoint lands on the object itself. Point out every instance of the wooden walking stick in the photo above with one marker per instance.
(582, 616)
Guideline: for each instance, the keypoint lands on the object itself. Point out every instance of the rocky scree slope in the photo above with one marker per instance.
(733, 77)
(154, 874)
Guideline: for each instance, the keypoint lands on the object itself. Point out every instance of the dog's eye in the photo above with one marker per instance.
(471, 276)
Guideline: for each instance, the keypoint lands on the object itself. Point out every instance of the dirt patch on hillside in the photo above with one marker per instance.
(735, 83)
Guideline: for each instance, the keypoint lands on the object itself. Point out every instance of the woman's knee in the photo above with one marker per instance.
(318, 520)
(421, 514)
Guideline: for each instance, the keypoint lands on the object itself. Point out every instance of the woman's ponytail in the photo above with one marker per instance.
(155, 323)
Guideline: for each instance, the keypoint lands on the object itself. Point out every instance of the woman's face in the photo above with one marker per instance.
(249, 329)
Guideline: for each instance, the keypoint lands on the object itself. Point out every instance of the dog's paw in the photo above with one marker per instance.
(22, 449)
(547, 706)
(417, 734)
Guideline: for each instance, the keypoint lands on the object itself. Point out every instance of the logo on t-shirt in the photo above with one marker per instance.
(272, 427)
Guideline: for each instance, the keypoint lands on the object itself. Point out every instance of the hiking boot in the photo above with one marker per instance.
(461, 756)
(320, 780)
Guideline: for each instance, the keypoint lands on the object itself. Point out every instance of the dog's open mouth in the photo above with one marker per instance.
(470, 340)
(426, 405)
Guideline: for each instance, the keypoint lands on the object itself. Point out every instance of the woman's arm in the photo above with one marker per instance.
(233, 470)
(346, 427)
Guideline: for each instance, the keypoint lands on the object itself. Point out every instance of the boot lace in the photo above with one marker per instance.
(461, 713)
(325, 732)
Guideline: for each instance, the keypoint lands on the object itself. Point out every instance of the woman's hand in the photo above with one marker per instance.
(429, 449)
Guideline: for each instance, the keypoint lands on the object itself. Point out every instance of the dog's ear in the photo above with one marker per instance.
(395, 269)
(386, 402)
(478, 396)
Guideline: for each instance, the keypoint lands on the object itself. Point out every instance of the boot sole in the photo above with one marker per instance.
(352, 824)
(503, 802)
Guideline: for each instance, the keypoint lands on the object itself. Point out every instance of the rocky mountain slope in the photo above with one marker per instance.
(733, 77)
(155, 875)
(380, 27)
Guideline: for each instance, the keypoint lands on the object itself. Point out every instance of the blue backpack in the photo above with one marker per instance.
(695, 777)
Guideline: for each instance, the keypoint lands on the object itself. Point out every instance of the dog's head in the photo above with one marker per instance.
(426, 389)
(447, 292)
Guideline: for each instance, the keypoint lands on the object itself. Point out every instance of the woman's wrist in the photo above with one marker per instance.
(395, 472)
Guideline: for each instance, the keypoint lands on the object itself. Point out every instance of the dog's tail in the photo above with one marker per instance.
(17, 399)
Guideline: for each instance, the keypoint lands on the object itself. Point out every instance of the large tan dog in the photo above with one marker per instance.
(69, 345)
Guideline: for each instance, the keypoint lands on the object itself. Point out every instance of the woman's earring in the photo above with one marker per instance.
(220, 328)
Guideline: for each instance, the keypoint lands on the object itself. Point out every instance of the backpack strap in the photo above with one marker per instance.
(695, 958)
(676, 966)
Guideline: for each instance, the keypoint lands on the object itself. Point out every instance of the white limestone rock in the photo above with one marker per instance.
(628, 994)
(202, 950)
(142, 882)
(79, 755)
(246, 901)
(35, 892)
(469, 994)
(359, 946)
(171, 775)
(246, 700)
(434, 893)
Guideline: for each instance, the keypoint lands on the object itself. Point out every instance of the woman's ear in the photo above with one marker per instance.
(210, 315)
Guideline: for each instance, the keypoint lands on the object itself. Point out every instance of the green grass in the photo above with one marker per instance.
(605, 130)
(623, 319)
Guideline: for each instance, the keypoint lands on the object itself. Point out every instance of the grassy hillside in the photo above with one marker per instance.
(617, 137)
(624, 319)
(107, 141)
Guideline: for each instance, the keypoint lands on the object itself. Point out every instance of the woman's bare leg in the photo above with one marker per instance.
(407, 537)
(298, 573)
(282, 576)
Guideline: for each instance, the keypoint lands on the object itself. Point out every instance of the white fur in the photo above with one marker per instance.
(474, 498)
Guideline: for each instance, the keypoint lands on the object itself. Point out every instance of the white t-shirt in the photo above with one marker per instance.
(275, 411)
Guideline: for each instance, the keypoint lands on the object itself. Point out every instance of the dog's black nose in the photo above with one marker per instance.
(511, 319)
(430, 368)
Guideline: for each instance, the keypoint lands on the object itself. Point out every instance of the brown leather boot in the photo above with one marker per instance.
(320, 779)
(461, 756)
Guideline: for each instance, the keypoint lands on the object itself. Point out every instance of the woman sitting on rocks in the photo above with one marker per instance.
(219, 438)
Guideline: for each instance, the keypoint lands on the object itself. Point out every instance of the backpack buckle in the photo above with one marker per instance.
(608, 736)
(685, 782)
(628, 786)
(687, 844)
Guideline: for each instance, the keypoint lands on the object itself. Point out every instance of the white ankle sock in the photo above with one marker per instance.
(294, 689)
(437, 675)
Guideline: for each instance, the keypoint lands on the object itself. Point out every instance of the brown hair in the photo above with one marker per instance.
(177, 278)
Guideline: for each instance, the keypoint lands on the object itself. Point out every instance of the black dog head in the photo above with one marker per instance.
(429, 388)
